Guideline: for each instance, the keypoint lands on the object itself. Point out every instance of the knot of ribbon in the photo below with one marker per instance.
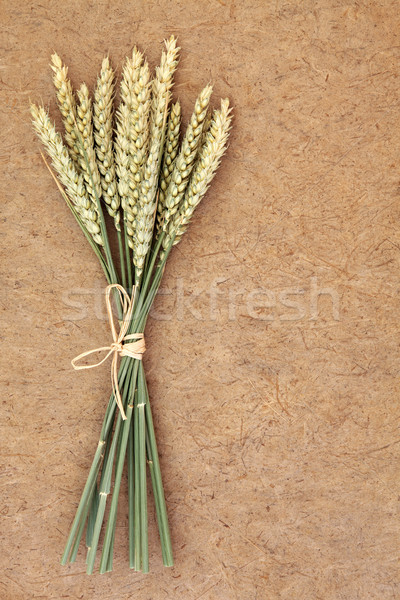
(121, 344)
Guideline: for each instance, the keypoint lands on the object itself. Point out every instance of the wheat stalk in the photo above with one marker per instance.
(130, 75)
(143, 232)
(208, 162)
(147, 200)
(139, 128)
(103, 137)
(87, 156)
(132, 135)
(170, 153)
(122, 154)
(66, 103)
(66, 171)
(186, 158)
(161, 86)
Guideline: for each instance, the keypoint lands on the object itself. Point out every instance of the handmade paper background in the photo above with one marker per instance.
(278, 425)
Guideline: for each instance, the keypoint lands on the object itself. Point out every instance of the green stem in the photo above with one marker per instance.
(144, 547)
(78, 538)
(96, 532)
(105, 484)
(94, 469)
(129, 392)
(103, 493)
(128, 259)
(84, 499)
(131, 491)
(158, 489)
(95, 507)
(121, 257)
(110, 558)
(95, 247)
(146, 299)
(92, 510)
(154, 252)
(137, 534)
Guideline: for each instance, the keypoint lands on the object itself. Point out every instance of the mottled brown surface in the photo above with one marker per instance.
(278, 428)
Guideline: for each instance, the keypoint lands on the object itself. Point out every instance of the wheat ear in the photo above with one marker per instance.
(208, 162)
(87, 156)
(170, 153)
(139, 131)
(161, 86)
(103, 137)
(66, 103)
(130, 75)
(66, 171)
(132, 135)
(186, 158)
(147, 199)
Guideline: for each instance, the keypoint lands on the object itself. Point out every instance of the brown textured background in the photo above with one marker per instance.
(279, 433)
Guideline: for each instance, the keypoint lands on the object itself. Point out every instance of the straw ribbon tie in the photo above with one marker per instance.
(119, 346)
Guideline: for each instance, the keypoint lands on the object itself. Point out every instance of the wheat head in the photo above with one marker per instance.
(130, 75)
(103, 137)
(122, 165)
(139, 131)
(132, 135)
(66, 103)
(87, 156)
(170, 153)
(161, 86)
(66, 171)
(207, 164)
(186, 158)
(147, 199)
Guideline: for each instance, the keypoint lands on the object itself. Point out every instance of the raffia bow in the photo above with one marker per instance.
(119, 346)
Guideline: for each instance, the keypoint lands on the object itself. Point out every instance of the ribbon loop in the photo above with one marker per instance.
(135, 347)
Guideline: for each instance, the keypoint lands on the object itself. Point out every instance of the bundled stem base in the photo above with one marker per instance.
(131, 440)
